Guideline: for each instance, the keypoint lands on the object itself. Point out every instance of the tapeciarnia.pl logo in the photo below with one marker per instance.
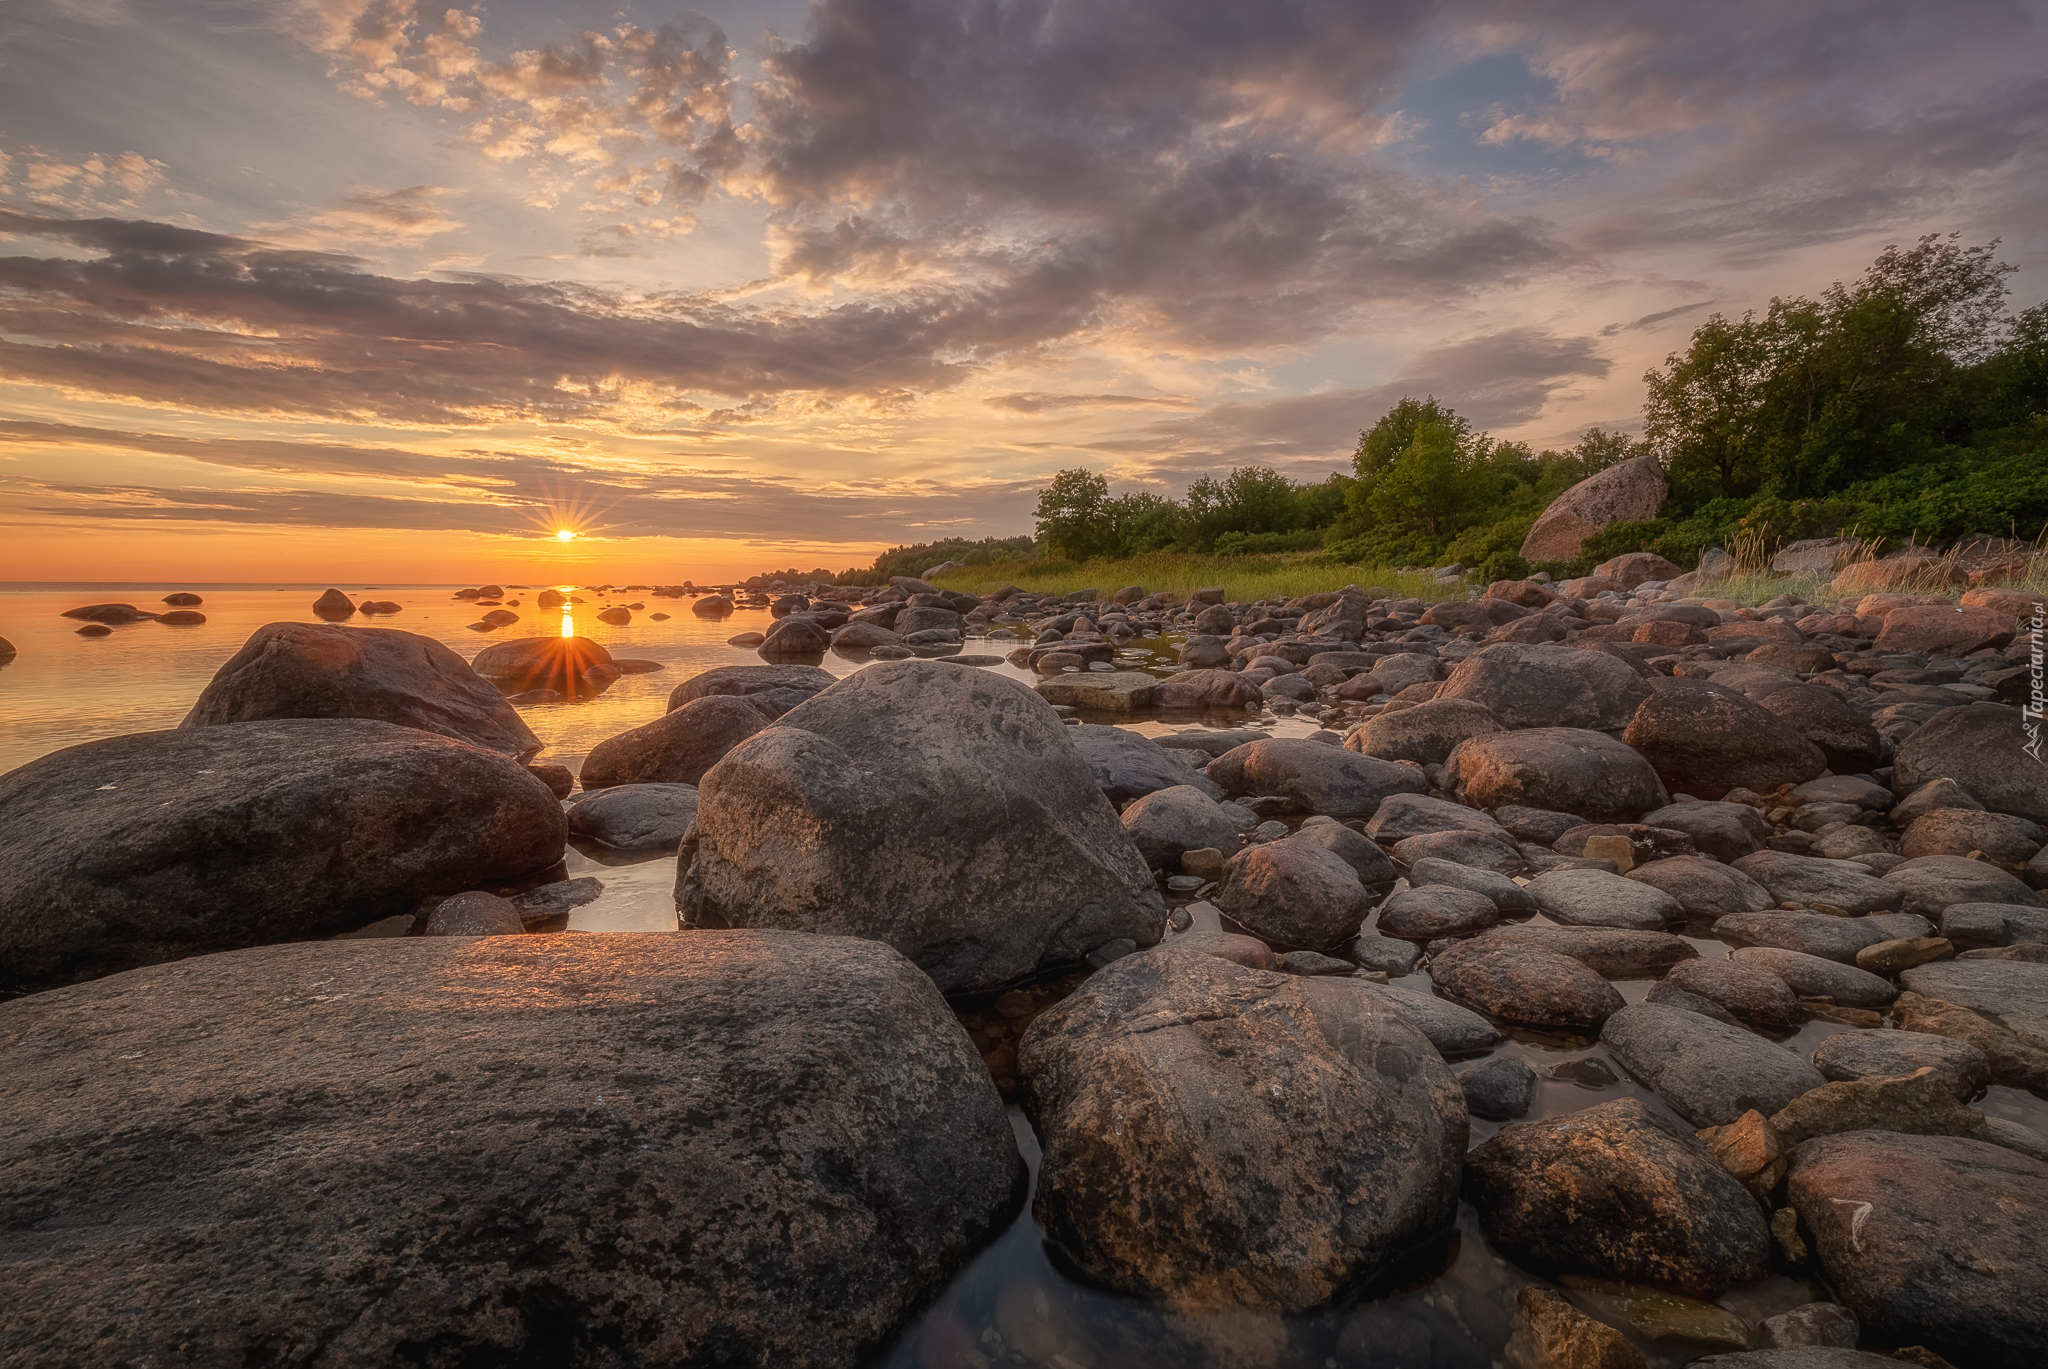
(2030, 711)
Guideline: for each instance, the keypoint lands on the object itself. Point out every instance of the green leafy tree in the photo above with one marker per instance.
(1073, 516)
(1428, 483)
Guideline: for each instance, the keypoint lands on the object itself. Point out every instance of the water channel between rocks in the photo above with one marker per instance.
(1448, 1306)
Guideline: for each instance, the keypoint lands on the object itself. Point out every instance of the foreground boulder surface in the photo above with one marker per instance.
(936, 807)
(1617, 1192)
(1935, 1239)
(524, 1150)
(561, 664)
(1217, 1135)
(162, 845)
(319, 670)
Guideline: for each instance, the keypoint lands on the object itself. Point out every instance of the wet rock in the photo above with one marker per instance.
(1704, 889)
(676, 748)
(1902, 953)
(1814, 934)
(1561, 768)
(474, 914)
(1388, 955)
(1493, 852)
(2015, 1060)
(162, 845)
(550, 902)
(634, 817)
(1810, 880)
(1115, 691)
(1747, 991)
(1425, 734)
(1817, 1323)
(712, 606)
(1552, 1334)
(1453, 1030)
(334, 604)
(557, 663)
(1167, 823)
(307, 670)
(1539, 685)
(937, 808)
(1799, 1357)
(1524, 985)
(1499, 1089)
(1206, 689)
(1501, 891)
(774, 689)
(1428, 913)
(796, 637)
(1612, 953)
(1812, 976)
(1703, 741)
(1594, 898)
(1312, 962)
(1627, 844)
(1931, 1238)
(350, 1151)
(1611, 1191)
(1982, 747)
(1129, 766)
(1247, 951)
(1726, 831)
(1751, 1149)
(1710, 1072)
(2010, 992)
(1920, 1104)
(1928, 885)
(181, 617)
(1875, 1055)
(1415, 815)
(559, 779)
(1299, 1116)
(1316, 778)
(1294, 893)
(1661, 1316)
(1665, 994)
(95, 630)
(183, 599)
(861, 637)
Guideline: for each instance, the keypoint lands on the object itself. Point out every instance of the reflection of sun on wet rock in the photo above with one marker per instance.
(562, 664)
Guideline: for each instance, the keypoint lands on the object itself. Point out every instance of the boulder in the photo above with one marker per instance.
(1628, 492)
(1300, 1133)
(1616, 1192)
(1415, 815)
(1547, 686)
(1918, 1104)
(676, 748)
(333, 604)
(1885, 1054)
(1316, 778)
(474, 913)
(481, 1151)
(1974, 925)
(1612, 953)
(1954, 630)
(1594, 898)
(2013, 993)
(1167, 823)
(712, 606)
(1295, 894)
(863, 637)
(774, 689)
(1524, 985)
(1562, 768)
(1919, 570)
(162, 845)
(1502, 891)
(1128, 765)
(557, 663)
(1813, 976)
(1812, 881)
(1452, 1030)
(1726, 831)
(1550, 1333)
(1983, 748)
(943, 810)
(1368, 861)
(1799, 1357)
(1491, 851)
(2015, 1060)
(1844, 736)
(1428, 913)
(1703, 741)
(2003, 838)
(635, 817)
(1499, 1089)
(1710, 1072)
(1933, 1239)
(1813, 934)
(1704, 889)
(798, 636)
(1929, 884)
(1745, 990)
(1207, 689)
(1102, 691)
(308, 670)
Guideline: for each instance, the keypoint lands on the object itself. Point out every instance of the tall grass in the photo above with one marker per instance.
(1243, 578)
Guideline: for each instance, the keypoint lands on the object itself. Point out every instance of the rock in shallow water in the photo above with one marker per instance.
(1616, 1192)
(940, 809)
(1710, 1072)
(162, 845)
(1216, 1135)
(1560, 768)
(1525, 985)
(1294, 893)
(343, 1152)
(634, 817)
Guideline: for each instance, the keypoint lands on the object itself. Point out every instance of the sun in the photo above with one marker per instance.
(565, 534)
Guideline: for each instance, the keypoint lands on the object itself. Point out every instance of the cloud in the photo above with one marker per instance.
(95, 183)
(1648, 321)
(1038, 402)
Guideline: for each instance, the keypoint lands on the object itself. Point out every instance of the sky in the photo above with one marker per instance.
(391, 291)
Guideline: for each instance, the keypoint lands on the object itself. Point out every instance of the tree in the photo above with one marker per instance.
(1072, 515)
(1427, 483)
(1382, 444)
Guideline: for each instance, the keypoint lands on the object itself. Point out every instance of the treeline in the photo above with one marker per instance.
(1903, 403)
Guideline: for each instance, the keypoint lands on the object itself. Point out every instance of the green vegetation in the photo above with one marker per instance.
(916, 560)
(1243, 577)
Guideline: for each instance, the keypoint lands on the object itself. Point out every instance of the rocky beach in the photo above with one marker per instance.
(1552, 974)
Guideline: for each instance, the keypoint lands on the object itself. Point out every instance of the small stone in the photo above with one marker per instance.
(1499, 1089)
(1618, 849)
(1751, 1149)
(1205, 862)
(1552, 1334)
(1184, 884)
(1659, 1315)
(1313, 962)
(1817, 1323)
(1785, 1231)
(1890, 957)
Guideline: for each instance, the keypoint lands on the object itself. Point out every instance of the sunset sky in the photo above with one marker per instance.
(377, 290)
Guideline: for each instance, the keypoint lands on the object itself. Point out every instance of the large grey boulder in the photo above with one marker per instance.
(1710, 1072)
(1181, 818)
(1929, 885)
(1983, 748)
(1425, 734)
(1595, 898)
(677, 747)
(1612, 952)
(319, 670)
(1543, 685)
(1812, 976)
(1525, 985)
(1453, 1030)
(1706, 742)
(1888, 1054)
(162, 845)
(1128, 765)
(1824, 718)
(2013, 993)
(1417, 815)
(635, 817)
(561, 664)
(1704, 889)
(1934, 1240)
(774, 689)
(1815, 934)
(935, 807)
(1628, 492)
(1295, 893)
(1617, 1192)
(1564, 769)
(1726, 831)
(1221, 1136)
(1809, 880)
(1315, 777)
(602, 1150)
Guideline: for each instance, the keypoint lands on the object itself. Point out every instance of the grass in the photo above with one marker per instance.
(1243, 578)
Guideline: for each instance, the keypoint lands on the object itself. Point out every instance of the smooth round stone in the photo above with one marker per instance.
(1887, 1054)
(1499, 1089)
